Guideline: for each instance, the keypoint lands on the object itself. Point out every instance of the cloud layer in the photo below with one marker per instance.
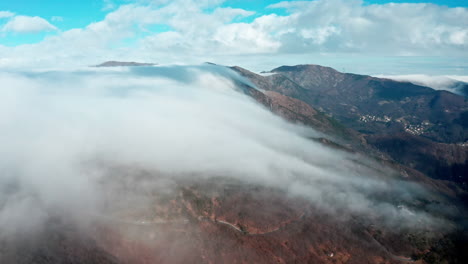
(402, 29)
(27, 24)
(454, 84)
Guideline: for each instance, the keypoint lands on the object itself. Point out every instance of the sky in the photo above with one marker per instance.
(362, 36)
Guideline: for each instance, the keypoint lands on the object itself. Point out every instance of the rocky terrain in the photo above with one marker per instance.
(221, 221)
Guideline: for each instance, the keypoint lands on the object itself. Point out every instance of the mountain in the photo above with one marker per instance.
(373, 105)
(219, 221)
(58, 242)
(229, 222)
(394, 117)
(123, 64)
(457, 87)
(461, 88)
(293, 109)
(412, 210)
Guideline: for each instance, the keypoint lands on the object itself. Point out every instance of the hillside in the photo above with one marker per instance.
(383, 110)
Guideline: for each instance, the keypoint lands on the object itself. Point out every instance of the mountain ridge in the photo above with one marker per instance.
(379, 108)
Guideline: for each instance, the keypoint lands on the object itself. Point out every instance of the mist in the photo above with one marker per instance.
(454, 84)
(68, 136)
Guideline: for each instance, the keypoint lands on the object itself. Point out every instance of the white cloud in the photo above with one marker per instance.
(460, 78)
(397, 29)
(203, 31)
(108, 5)
(243, 38)
(57, 19)
(27, 24)
(6, 14)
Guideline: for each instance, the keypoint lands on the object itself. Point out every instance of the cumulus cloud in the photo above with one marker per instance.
(203, 30)
(5, 14)
(28, 24)
(62, 131)
(417, 29)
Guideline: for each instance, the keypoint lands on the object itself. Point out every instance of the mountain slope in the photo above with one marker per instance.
(353, 99)
(357, 197)
(383, 110)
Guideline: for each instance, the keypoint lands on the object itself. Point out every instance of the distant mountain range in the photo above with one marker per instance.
(123, 64)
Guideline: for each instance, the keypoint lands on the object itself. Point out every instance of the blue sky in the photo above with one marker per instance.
(69, 14)
(79, 13)
(345, 30)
